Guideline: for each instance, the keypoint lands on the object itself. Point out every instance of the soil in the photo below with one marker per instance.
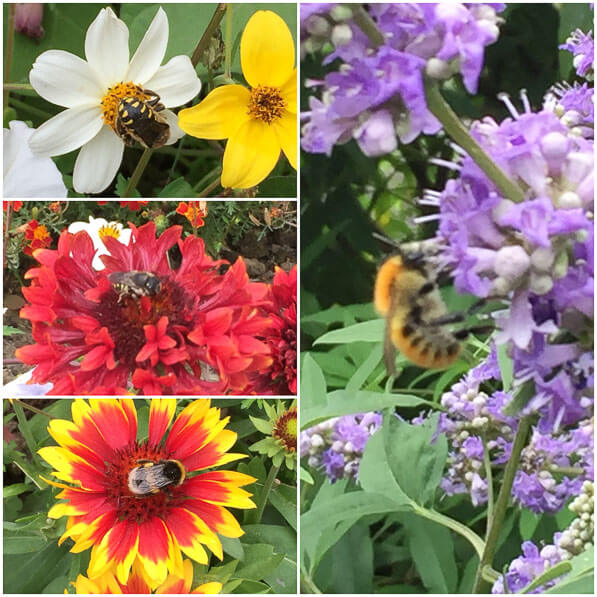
(261, 253)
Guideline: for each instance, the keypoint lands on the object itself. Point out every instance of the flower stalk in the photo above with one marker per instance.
(495, 523)
(451, 123)
(214, 23)
(10, 35)
(255, 516)
(138, 172)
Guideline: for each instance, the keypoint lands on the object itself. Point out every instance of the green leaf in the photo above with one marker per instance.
(30, 573)
(259, 561)
(283, 499)
(23, 543)
(506, 367)
(313, 387)
(366, 331)
(56, 586)
(528, 523)
(176, 189)
(8, 330)
(261, 425)
(434, 559)
(233, 547)
(341, 402)
(16, 489)
(306, 476)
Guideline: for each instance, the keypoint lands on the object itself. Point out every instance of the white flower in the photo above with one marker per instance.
(20, 164)
(20, 386)
(91, 91)
(98, 229)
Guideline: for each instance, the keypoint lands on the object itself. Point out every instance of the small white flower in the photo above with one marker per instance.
(25, 174)
(98, 229)
(91, 90)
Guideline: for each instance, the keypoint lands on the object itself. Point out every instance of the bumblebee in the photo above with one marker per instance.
(416, 316)
(138, 120)
(152, 477)
(135, 284)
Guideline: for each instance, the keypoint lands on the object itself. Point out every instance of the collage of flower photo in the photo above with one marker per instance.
(341, 348)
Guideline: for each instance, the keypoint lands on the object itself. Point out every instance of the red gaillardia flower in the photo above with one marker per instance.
(191, 330)
(110, 509)
(108, 584)
(282, 337)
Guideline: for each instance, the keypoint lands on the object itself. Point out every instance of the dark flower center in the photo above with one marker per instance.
(266, 104)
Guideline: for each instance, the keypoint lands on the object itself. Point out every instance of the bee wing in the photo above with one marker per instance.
(140, 486)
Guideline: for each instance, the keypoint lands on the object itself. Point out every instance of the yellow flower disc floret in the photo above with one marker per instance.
(113, 96)
(110, 230)
(266, 104)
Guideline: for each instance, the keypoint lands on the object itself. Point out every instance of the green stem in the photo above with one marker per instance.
(32, 109)
(501, 504)
(228, 43)
(367, 25)
(139, 169)
(452, 524)
(10, 36)
(255, 516)
(453, 127)
(209, 188)
(489, 479)
(176, 158)
(308, 582)
(33, 409)
(24, 427)
(208, 33)
(18, 87)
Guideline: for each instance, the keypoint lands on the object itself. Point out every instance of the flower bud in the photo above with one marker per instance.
(511, 263)
(28, 18)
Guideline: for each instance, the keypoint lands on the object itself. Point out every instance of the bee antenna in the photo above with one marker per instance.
(384, 239)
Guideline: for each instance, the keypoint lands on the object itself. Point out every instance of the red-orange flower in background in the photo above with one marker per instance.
(196, 332)
(132, 205)
(282, 337)
(14, 205)
(108, 584)
(38, 237)
(97, 451)
(193, 211)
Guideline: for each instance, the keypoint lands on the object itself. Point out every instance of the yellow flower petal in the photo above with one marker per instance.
(250, 155)
(288, 92)
(285, 128)
(219, 115)
(266, 50)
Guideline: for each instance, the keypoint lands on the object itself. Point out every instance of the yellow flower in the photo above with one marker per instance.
(258, 122)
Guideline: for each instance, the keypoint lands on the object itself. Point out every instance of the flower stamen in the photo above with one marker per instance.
(266, 104)
(110, 101)
(113, 229)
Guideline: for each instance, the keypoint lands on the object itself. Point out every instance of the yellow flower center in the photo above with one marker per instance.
(40, 233)
(110, 230)
(266, 103)
(113, 96)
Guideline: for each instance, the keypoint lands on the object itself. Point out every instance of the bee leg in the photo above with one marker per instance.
(465, 332)
(457, 317)
(144, 461)
(154, 102)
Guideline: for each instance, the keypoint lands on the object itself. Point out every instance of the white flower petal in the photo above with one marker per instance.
(176, 82)
(19, 386)
(19, 163)
(65, 79)
(107, 47)
(175, 131)
(151, 50)
(66, 131)
(98, 162)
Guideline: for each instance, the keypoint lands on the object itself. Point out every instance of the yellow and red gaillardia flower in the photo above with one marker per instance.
(197, 331)
(108, 584)
(258, 122)
(97, 451)
(193, 211)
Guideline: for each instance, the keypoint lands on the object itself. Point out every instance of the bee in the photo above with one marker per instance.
(416, 316)
(151, 477)
(135, 284)
(138, 120)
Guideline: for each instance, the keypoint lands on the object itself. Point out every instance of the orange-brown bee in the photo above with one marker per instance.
(416, 315)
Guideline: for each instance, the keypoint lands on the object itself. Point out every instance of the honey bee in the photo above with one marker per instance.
(135, 284)
(416, 316)
(151, 477)
(138, 120)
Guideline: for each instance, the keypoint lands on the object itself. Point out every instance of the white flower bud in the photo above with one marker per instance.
(568, 200)
(542, 258)
(511, 263)
(341, 35)
(438, 69)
